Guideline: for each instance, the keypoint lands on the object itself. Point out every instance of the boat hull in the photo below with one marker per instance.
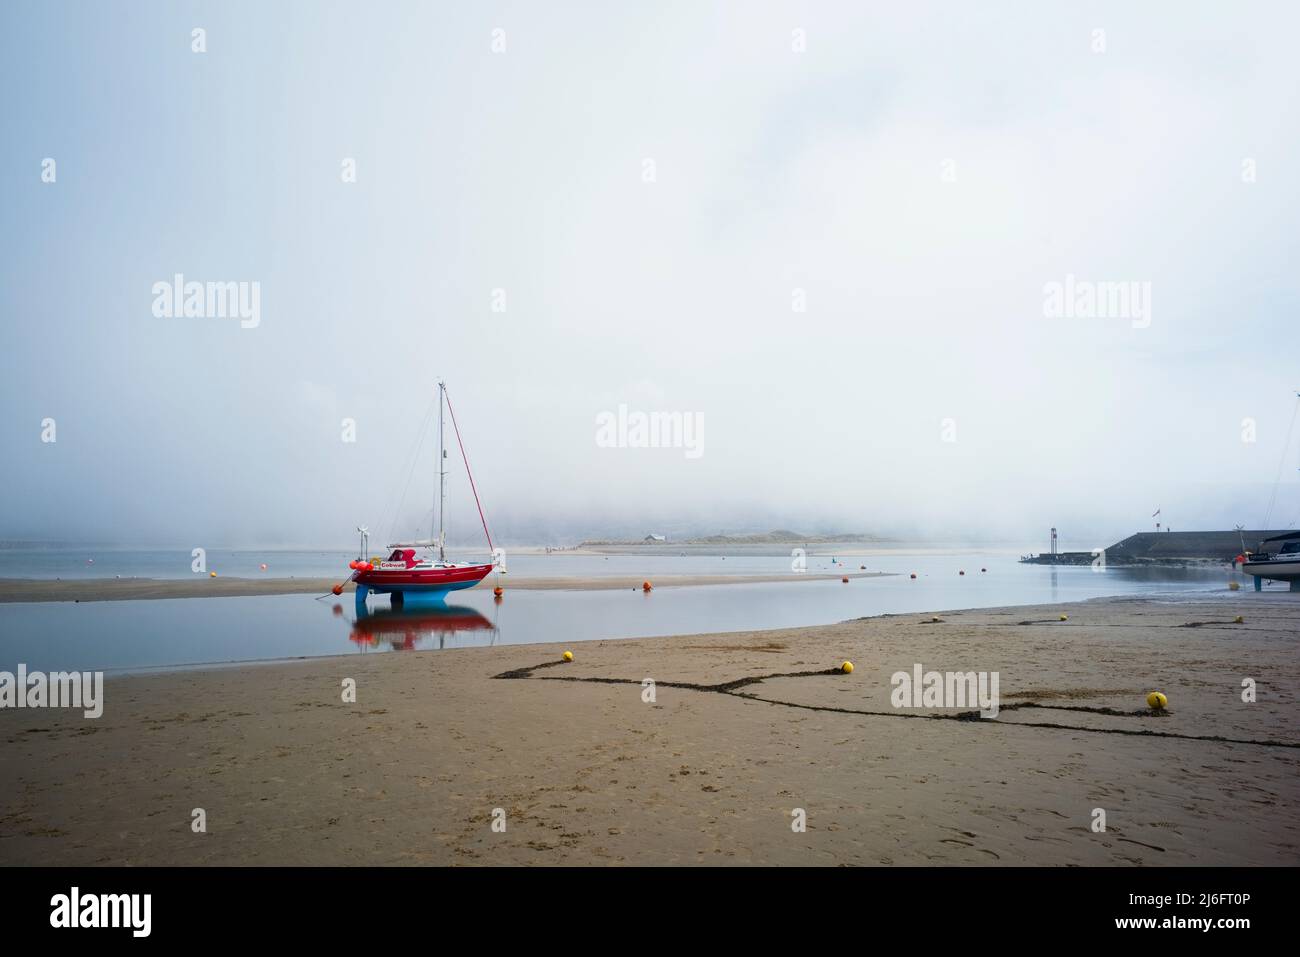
(1287, 571)
(427, 583)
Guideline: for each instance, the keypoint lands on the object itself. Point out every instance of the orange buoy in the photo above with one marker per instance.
(845, 579)
(337, 589)
(498, 591)
(646, 586)
(353, 564)
(263, 566)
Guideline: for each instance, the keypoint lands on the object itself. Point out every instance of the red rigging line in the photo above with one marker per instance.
(468, 471)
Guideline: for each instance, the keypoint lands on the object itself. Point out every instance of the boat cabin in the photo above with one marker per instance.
(1287, 545)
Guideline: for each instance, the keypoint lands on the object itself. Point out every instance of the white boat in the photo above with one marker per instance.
(1282, 565)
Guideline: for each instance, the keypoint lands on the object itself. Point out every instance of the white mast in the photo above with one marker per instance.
(442, 481)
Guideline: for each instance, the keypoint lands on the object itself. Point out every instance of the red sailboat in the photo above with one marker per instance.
(404, 572)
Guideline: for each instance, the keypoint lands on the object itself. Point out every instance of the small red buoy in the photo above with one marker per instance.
(337, 589)
(845, 579)
(646, 586)
(353, 564)
(498, 591)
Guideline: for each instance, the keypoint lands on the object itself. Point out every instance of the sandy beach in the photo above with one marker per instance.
(127, 589)
(584, 770)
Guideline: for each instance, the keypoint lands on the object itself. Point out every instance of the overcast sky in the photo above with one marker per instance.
(825, 232)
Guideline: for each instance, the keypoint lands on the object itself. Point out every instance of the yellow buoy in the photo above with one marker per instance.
(1065, 618)
(212, 574)
(1156, 701)
(1239, 620)
(847, 667)
(1234, 586)
(568, 656)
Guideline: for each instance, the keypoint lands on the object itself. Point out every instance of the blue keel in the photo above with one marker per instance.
(1259, 583)
(363, 592)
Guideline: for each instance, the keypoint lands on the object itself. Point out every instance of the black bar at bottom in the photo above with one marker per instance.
(335, 906)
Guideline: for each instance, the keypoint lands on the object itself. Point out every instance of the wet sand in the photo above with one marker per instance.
(586, 771)
(128, 589)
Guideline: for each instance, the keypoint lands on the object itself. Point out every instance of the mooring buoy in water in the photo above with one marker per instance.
(1156, 701)
(567, 656)
(847, 667)
(646, 586)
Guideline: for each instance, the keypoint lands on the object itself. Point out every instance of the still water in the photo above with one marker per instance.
(126, 636)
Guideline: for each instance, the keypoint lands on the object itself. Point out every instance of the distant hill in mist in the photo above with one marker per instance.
(778, 536)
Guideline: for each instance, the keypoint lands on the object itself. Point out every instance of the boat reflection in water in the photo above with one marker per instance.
(420, 626)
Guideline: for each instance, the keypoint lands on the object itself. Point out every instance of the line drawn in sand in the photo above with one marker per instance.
(732, 688)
